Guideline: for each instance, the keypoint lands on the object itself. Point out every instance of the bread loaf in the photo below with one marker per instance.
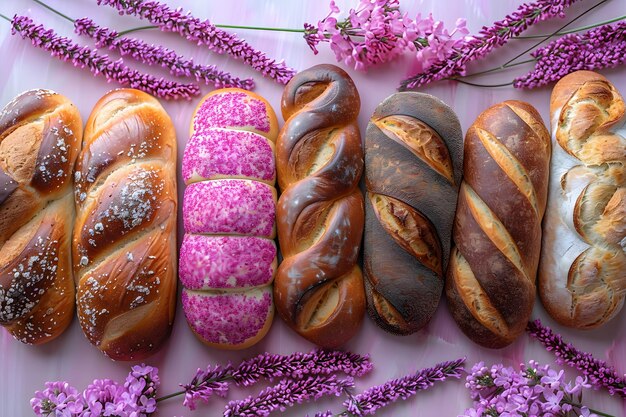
(497, 229)
(413, 167)
(319, 287)
(40, 134)
(228, 257)
(582, 275)
(124, 244)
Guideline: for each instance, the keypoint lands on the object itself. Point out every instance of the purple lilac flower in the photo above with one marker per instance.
(215, 380)
(59, 399)
(382, 395)
(102, 397)
(287, 393)
(158, 55)
(66, 50)
(487, 40)
(600, 373)
(203, 33)
(598, 48)
(377, 32)
(532, 390)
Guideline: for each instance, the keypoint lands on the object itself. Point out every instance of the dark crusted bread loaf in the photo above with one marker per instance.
(413, 167)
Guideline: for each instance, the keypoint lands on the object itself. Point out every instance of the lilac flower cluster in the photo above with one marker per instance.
(600, 47)
(287, 393)
(158, 55)
(104, 397)
(203, 33)
(376, 32)
(600, 373)
(81, 56)
(216, 380)
(531, 391)
(487, 40)
(381, 396)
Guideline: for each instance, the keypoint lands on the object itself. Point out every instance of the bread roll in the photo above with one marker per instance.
(582, 275)
(319, 286)
(124, 244)
(228, 258)
(497, 229)
(40, 134)
(413, 167)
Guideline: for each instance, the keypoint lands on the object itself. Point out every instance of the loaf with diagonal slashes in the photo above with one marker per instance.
(413, 167)
(491, 276)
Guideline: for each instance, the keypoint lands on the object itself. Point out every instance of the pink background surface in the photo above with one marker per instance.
(24, 369)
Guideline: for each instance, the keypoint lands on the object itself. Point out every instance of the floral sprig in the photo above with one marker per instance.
(82, 56)
(104, 397)
(487, 40)
(204, 33)
(287, 393)
(216, 380)
(600, 373)
(532, 390)
(376, 32)
(598, 48)
(158, 55)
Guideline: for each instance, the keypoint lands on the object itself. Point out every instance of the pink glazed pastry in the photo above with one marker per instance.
(228, 257)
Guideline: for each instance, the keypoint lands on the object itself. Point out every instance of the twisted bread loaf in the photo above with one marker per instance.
(413, 167)
(582, 276)
(497, 231)
(228, 258)
(125, 234)
(40, 134)
(319, 287)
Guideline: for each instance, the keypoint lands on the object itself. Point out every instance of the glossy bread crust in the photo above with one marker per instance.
(40, 135)
(319, 157)
(124, 241)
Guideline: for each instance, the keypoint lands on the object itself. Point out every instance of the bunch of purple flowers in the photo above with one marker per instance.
(376, 32)
(532, 391)
(104, 397)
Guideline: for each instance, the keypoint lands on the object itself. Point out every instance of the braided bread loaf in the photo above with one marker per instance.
(228, 257)
(319, 287)
(124, 243)
(40, 133)
(582, 276)
(413, 167)
(497, 231)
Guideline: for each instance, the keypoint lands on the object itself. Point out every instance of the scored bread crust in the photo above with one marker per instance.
(582, 275)
(413, 168)
(40, 134)
(490, 283)
(319, 287)
(124, 242)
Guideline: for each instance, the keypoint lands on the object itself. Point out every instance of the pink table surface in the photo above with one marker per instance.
(24, 369)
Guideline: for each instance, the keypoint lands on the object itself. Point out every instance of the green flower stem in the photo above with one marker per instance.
(137, 29)
(172, 395)
(577, 405)
(580, 29)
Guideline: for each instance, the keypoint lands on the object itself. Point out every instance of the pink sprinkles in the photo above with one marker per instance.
(228, 153)
(231, 206)
(225, 262)
(231, 318)
(232, 109)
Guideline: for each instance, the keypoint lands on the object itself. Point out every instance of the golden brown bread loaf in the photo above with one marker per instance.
(497, 229)
(413, 167)
(318, 289)
(124, 245)
(582, 275)
(40, 134)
